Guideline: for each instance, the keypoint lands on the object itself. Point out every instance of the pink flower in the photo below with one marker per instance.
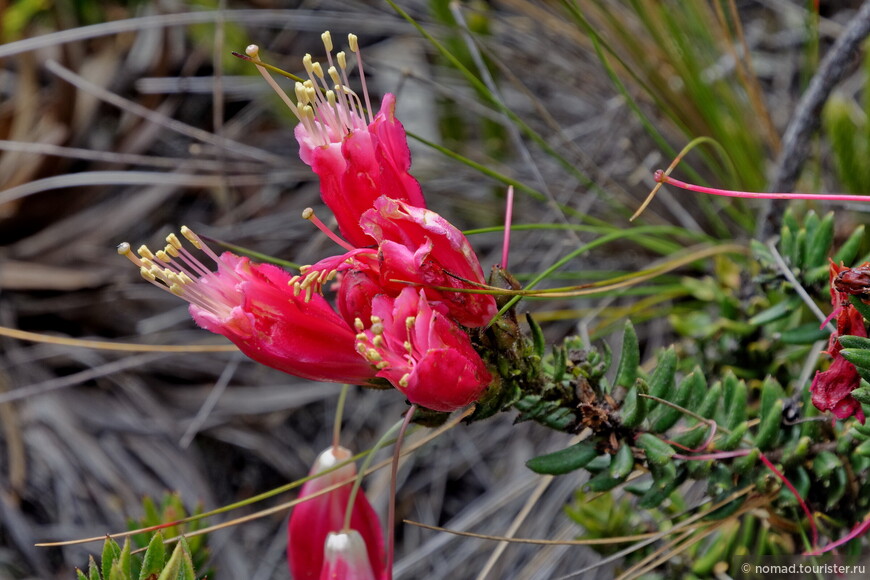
(832, 389)
(345, 557)
(254, 306)
(358, 157)
(309, 554)
(422, 352)
(418, 245)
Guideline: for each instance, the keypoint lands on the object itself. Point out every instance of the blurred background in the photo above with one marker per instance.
(122, 121)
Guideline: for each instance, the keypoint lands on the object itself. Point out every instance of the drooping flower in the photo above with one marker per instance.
(424, 354)
(832, 389)
(254, 306)
(345, 557)
(309, 554)
(358, 155)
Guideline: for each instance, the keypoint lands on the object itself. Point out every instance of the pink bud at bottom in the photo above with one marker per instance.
(345, 557)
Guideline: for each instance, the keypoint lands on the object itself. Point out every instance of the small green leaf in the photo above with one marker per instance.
(634, 407)
(93, 569)
(603, 482)
(864, 309)
(825, 463)
(711, 402)
(565, 460)
(538, 340)
(769, 428)
(747, 462)
(732, 441)
(804, 334)
(849, 341)
(622, 462)
(737, 409)
(850, 247)
(80, 575)
(820, 243)
(155, 556)
(775, 312)
(111, 552)
(626, 371)
(663, 380)
(173, 566)
(856, 356)
(657, 451)
(862, 395)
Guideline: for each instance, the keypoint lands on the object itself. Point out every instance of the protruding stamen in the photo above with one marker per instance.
(326, 37)
(354, 47)
(508, 217)
(308, 214)
(173, 240)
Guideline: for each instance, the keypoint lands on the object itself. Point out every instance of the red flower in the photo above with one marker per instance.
(832, 389)
(357, 157)
(254, 306)
(345, 557)
(422, 352)
(308, 553)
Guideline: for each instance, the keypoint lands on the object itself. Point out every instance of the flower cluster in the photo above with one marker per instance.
(400, 312)
(832, 389)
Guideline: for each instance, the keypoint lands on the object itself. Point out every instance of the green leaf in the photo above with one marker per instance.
(771, 421)
(864, 309)
(657, 451)
(93, 569)
(862, 395)
(80, 575)
(111, 552)
(825, 463)
(850, 247)
(732, 440)
(626, 372)
(711, 402)
(775, 312)
(155, 556)
(820, 243)
(603, 482)
(663, 380)
(173, 566)
(667, 416)
(858, 357)
(804, 334)
(622, 462)
(565, 460)
(849, 341)
(737, 408)
(634, 407)
(538, 340)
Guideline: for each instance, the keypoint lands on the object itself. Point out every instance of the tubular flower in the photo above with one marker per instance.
(422, 352)
(312, 523)
(832, 389)
(357, 155)
(345, 557)
(253, 306)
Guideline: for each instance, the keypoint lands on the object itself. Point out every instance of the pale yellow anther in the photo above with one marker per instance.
(403, 382)
(361, 337)
(253, 51)
(307, 113)
(296, 290)
(358, 324)
(332, 274)
(330, 98)
(311, 94)
(333, 74)
(318, 70)
(308, 292)
(307, 213)
(308, 84)
(353, 42)
(144, 252)
(304, 269)
(307, 63)
(293, 280)
(377, 328)
(147, 274)
(171, 250)
(378, 341)
(191, 237)
(146, 263)
(382, 365)
(342, 60)
(326, 37)
(376, 319)
(124, 249)
(409, 322)
(176, 289)
(173, 240)
(185, 279)
(162, 256)
(301, 94)
(373, 355)
(407, 346)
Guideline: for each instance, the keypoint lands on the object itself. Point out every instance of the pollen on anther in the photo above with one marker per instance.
(145, 252)
(353, 42)
(403, 382)
(173, 240)
(253, 51)
(191, 237)
(124, 248)
(326, 37)
(358, 324)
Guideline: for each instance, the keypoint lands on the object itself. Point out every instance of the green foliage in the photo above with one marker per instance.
(118, 563)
